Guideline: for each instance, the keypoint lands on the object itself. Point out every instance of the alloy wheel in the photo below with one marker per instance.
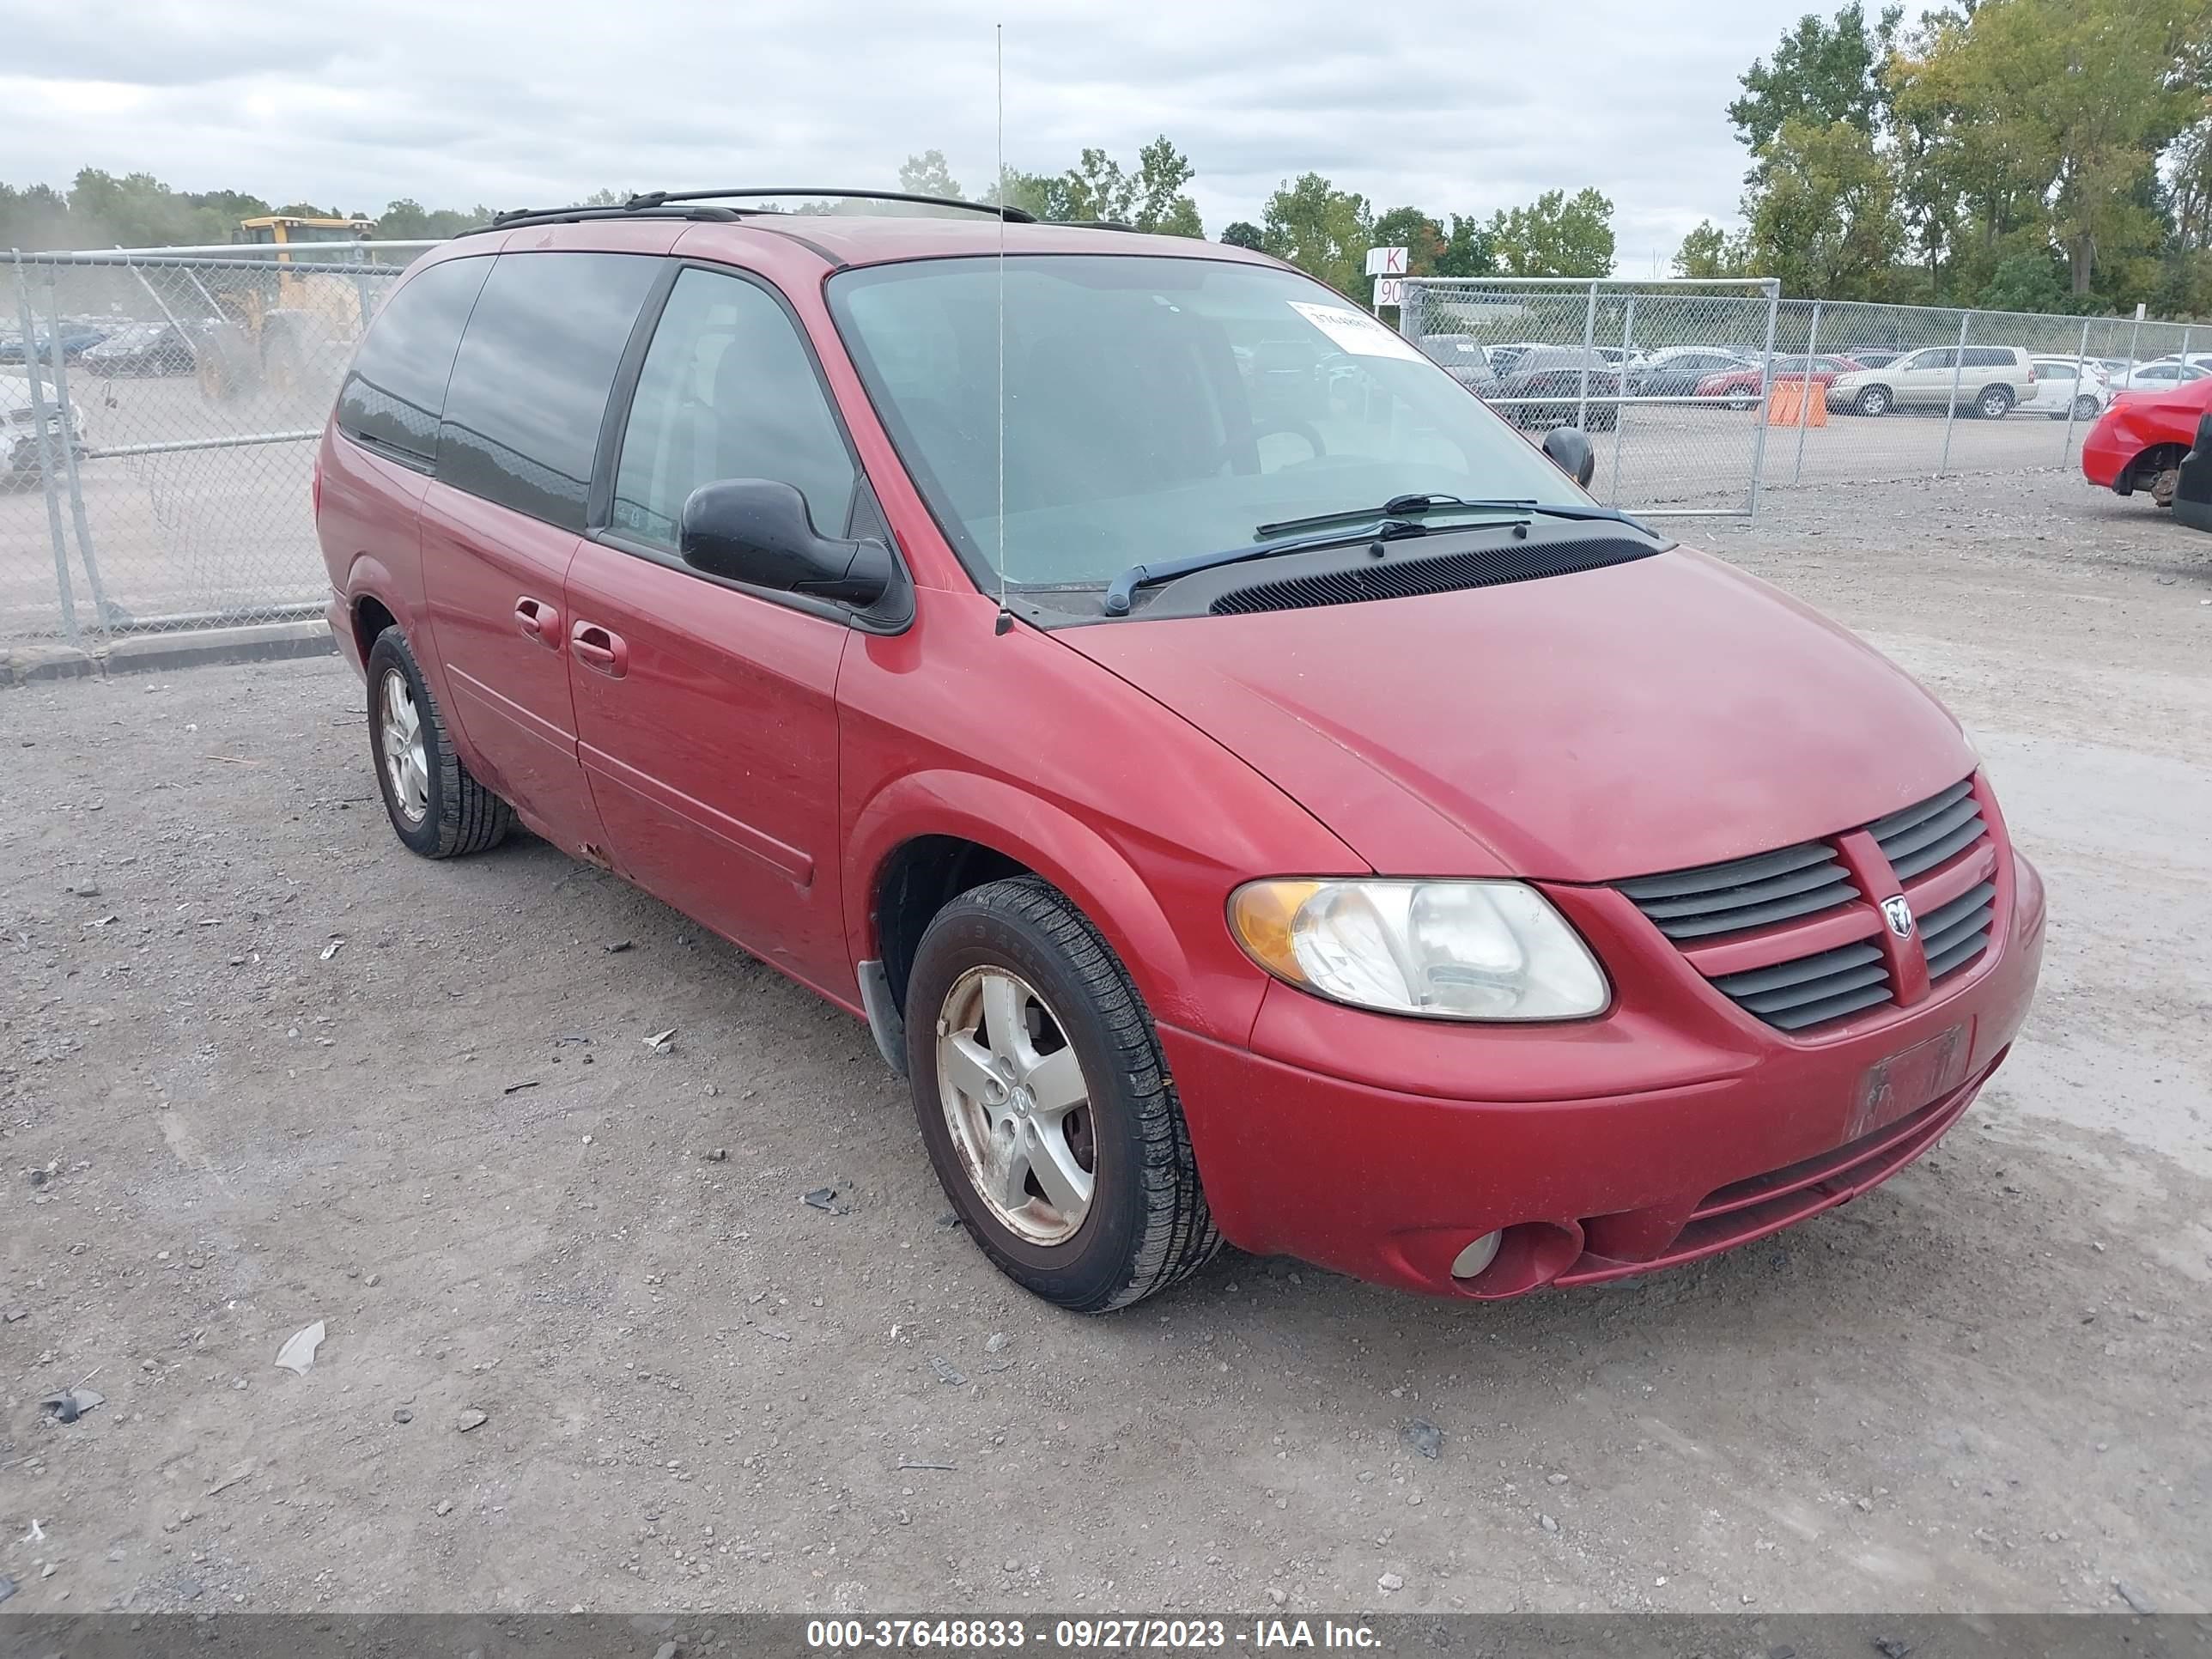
(1017, 1104)
(406, 758)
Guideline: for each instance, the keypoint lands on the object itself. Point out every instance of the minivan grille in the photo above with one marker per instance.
(1954, 934)
(1743, 893)
(1827, 985)
(1446, 573)
(1921, 837)
(1782, 889)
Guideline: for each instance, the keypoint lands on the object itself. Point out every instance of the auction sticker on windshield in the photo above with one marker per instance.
(1355, 332)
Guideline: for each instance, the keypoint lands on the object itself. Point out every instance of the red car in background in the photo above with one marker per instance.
(2139, 442)
(1743, 388)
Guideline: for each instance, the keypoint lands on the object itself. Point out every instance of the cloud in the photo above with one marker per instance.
(1456, 109)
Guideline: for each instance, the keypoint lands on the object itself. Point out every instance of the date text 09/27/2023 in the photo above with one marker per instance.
(1087, 1635)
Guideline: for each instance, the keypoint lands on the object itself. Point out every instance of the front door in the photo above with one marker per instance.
(706, 712)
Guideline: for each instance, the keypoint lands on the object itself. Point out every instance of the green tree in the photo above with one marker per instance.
(1323, 231)
(929, 174)
(1822, 72)
(1825, 218)
(1468, 251)
(2026, 281)
(1243, 233)
(1556, 235)
(1160, 204)
(1422, 238)
(1708, 252)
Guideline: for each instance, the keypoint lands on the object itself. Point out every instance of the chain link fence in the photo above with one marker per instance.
(1699, 395)
(161, 409)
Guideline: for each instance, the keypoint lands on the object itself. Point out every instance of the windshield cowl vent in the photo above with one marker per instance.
(1444, 572)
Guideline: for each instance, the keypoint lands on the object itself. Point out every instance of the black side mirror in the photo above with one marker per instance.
(1568, 446)
(758, 531)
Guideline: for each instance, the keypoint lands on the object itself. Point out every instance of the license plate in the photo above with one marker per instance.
(1906, 1081)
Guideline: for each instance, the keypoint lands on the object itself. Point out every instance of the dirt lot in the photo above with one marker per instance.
(1981, 1386)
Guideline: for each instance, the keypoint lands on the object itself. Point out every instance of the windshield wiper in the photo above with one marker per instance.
(1123, 587)
(1395, 518)
(1403, 506)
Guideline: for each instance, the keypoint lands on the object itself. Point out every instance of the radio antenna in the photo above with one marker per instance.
(1006, 616)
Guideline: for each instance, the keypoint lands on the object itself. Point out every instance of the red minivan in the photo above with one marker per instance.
(1249, 791)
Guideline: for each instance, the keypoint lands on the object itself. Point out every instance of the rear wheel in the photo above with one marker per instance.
(1045, 1102)
(2084, 408)
(1875, 400)
(436, 806)
(1995, 403)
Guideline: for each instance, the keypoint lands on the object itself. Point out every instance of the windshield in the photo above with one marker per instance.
(1156, 408)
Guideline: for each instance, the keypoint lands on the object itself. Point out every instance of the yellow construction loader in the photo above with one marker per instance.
(277, 329)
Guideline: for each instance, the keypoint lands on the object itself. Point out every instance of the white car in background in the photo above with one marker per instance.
(2160, 374)
(2058, 393)
(19, 433)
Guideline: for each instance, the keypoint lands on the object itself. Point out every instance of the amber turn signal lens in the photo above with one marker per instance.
(1260, 914)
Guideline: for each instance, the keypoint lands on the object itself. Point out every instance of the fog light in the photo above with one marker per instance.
(1476, 1256)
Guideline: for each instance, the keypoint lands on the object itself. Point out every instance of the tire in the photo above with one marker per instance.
(1873, 400)
(1994, 403)
(444, 811)
(1740, 405)
(2086, 407)
(1143, 1224)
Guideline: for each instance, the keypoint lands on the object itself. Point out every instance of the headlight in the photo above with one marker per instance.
(1445, 950)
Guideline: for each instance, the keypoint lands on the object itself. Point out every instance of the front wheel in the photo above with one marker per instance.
(1875, 400)
(437, 807)
(1045, 1102)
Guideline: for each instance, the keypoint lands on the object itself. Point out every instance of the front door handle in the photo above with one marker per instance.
(600, 648)
(538, 620)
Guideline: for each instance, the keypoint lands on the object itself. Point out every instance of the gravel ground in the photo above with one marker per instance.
(585, 1345)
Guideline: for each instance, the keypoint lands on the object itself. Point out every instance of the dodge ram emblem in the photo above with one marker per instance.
(1898, 914)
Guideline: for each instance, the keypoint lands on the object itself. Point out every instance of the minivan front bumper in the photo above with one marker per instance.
(1734, 1139)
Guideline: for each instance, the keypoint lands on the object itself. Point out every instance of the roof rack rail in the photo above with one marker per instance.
(1098, 224)
(518, 217)
(655, 198)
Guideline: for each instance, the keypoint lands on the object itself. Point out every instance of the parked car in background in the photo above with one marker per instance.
(2060, 392)
(76, 338)
(19, 431)
(1384, 854)
(1462, 357)
(1874, 356)
(1570, 387)
(142, 349)
(1503, 357)
(1987, 380)
(1744, 388)
(2140, 441)
(2160, 374)
(1675, 371)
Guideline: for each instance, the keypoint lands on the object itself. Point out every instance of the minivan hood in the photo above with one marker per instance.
(1648, 716)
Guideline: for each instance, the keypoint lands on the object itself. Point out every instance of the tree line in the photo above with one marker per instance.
(2018, 155)
(1310, 221)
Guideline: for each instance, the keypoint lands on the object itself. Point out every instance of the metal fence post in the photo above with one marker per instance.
(2135, 335)
(2074, 400)
(1620, 388)
(1589, 345)
(33, 368)
(1766, 381)
(1951, 409)
(100, 610)
(1805, 392)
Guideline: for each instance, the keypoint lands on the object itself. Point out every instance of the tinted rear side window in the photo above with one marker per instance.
(530, 385)
(397, 385)
(1988, 357)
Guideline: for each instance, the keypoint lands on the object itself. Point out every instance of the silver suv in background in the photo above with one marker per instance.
(1989, 381)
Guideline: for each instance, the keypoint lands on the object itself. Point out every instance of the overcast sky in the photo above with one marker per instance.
(1467, 106)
